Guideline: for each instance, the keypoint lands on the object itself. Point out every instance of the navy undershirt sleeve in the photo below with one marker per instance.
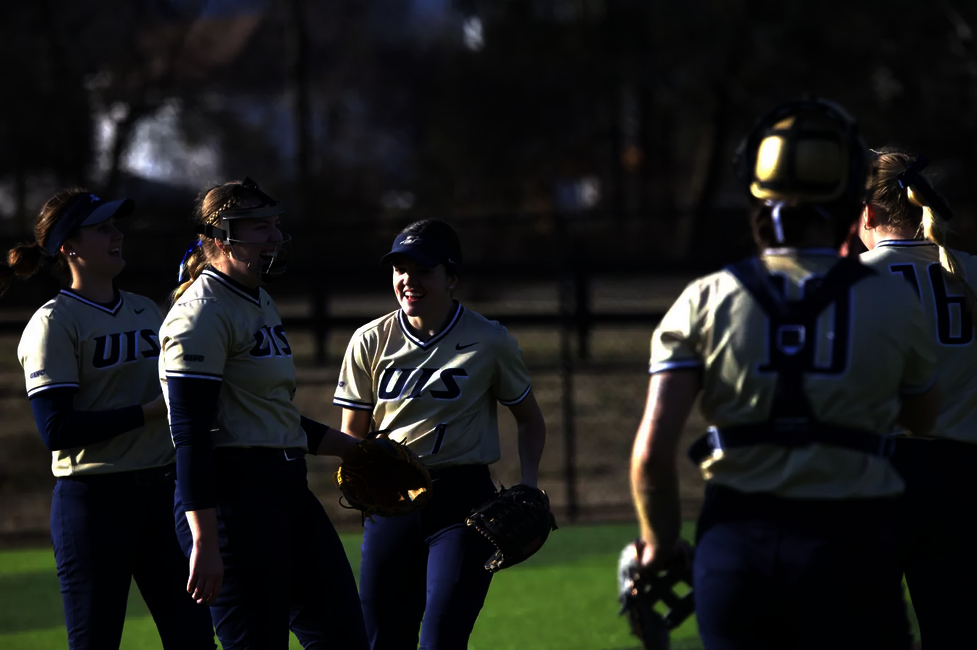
(314, 433)
(62, 427)
(193, 408)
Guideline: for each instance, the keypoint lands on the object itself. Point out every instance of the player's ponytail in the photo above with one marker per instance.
(193, 264)
(935, 229)
(24, 260)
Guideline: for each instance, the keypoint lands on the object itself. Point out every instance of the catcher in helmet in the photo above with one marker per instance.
(263, 553)
(803, 361)
(431, 375)
(904, 226)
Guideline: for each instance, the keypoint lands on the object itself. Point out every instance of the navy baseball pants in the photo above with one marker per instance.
(428, 565)
(284, 565)
(774, 573)
(936, 544)
(108, 529)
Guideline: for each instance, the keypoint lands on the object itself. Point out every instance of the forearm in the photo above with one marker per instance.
(323, 440)
(654, 488)
(654, 473)
(193, 407)
(62, 427)
(203, 526)
(531, 439)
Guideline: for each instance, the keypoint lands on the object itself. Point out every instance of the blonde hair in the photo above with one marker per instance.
(207, 211)
(907, 208)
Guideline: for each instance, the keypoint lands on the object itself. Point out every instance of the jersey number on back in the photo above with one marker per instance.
(944, 304)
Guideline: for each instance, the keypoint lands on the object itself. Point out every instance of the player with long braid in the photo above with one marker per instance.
(804, 362)
(431, 375)
(89, 357)
(904, 227)
(263, 553)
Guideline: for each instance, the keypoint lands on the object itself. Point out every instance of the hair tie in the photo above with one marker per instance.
(184, 275)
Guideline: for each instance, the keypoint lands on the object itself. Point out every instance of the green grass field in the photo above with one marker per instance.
(564, 597)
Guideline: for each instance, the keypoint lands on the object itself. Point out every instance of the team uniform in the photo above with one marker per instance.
(939, 495)
(439, 397)
(797, 528)
(226, 359)
(88, 368)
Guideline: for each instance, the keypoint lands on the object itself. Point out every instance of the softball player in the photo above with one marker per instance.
(262, 551)
(89, 357)
(803, 361)
(430, 375)
(939, 495)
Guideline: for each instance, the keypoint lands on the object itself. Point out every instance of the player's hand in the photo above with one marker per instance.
(206, 573)
(652, 558)
(155, 409)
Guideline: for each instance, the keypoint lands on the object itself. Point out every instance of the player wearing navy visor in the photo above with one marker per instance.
(262, 550)
(431, 375)
(89, 357)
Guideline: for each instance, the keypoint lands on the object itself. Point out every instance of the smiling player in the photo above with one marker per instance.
(430, 374)
(89, 358)
(262, 550)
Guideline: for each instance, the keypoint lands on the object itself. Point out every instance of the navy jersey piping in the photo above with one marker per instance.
(352, 404)
(251, 295)
(405, 328)
(898, 243)
(111, 310)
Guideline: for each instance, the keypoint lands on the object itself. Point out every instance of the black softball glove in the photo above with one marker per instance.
(517, 520)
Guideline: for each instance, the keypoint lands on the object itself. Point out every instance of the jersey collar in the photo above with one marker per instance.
(247, 293)
(794, 251)
(905, 242)
(109, 308)
(406, 329)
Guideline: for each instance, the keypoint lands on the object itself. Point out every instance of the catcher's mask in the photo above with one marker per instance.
(805, 152)
(271, 266)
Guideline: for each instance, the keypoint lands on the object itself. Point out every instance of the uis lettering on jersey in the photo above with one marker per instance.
(394, 383)
(271, 342)
(136, 343)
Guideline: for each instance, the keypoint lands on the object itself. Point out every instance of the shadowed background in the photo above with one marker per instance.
(582, 148)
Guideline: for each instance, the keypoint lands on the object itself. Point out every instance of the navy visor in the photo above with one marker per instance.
(86, 210)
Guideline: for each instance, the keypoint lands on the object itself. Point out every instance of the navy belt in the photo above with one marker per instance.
(791, 435)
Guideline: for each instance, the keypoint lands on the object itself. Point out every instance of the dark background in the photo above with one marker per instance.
(619, 116)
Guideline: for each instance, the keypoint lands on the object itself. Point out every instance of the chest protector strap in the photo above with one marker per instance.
(793, 325)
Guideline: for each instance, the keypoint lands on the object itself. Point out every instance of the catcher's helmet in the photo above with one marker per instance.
(804, 152)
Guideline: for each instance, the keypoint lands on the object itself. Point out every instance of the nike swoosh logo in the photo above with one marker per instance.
(459, 346)
(139, 311)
